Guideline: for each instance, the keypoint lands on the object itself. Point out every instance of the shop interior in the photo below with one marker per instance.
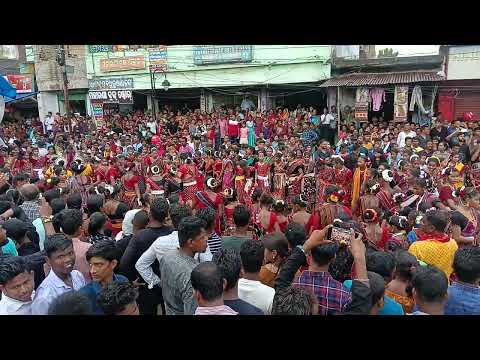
(292, 95)
(348, 96)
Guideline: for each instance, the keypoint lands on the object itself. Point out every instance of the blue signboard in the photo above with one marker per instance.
(222, 54)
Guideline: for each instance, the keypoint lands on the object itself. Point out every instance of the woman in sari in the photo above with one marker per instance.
(368, 200)
(255, 208)
(262, 170)
(425, 192)
(434, 170)
(295, 171)
(210, 198)
(228, 175)
(131, 190)
(462, 230)
(38, 163)
(451, 183)
(267, 219)
(218, 166)
(401, 175)
(332, 209)
(376, 230)
(78, 182)
(399, 228)
(360, 177)
(241, 173)
(279, 208)
(279, 177)
(300, 214)
(468, 204)
(209, 164)
(309, 192)
(155, 182)
(251, 133)
(230, 203)
(342, 177)
(187, 173)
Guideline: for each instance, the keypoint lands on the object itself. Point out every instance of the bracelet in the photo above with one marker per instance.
(47, 219)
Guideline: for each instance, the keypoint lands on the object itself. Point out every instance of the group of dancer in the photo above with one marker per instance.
(211, 162)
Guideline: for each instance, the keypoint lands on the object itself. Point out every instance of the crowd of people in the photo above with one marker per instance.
(239, 212)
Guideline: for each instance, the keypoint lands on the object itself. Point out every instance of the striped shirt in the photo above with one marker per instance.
(214, 243)
(215, 310)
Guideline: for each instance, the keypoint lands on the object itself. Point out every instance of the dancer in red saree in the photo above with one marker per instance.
(210, 198)
(187, 173)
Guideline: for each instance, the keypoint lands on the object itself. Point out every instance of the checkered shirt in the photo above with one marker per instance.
(332, 296)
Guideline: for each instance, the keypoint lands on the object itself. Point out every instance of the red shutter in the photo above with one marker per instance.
(467, 101)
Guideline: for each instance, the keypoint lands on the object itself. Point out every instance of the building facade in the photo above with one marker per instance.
(49, 79)
(382, 88)
(203, 76)
(461, 91)
(18, 70)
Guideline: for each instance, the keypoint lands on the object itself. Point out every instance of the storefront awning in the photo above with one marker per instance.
(20, 97)
(372, 79)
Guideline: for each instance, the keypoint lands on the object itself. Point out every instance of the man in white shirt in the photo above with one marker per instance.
(48, 123)
(250, 289)
(16, 284)
(152, 126)
(164, 244)
(407, 132)
(62, 278)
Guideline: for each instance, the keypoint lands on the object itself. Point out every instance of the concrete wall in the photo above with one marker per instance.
(49, 73)
(47, 101)
(276, 64)
(463, 62)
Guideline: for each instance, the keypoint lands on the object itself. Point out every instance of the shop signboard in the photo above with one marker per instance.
(222, 54)
(29, 53)
(111, 84)
(114, 48)
(97, 110)
(23, 83)
(112, 96)
(122, 63)
(158, 58)
(100, 48)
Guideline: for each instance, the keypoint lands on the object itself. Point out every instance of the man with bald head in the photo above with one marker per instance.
(30, 205)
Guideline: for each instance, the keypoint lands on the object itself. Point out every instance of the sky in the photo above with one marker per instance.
(408, 50)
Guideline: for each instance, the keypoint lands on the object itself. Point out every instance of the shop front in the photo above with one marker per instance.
(77, 99)
(109, 102)
(394, 96)
(458, 97)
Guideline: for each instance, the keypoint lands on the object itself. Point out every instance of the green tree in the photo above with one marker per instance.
(387, 52)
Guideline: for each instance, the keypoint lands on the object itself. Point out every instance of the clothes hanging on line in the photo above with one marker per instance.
(417, 99)
(377, 96)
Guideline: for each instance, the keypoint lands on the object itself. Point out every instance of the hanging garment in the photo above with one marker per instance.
(377, 96)
(417, 99)
(446, 105)
(421, 119)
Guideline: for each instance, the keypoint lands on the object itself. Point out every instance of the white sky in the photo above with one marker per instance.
(409, 50)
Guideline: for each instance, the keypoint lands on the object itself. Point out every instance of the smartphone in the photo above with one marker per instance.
(339, 235)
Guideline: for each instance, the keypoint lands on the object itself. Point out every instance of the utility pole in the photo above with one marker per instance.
(61, 61)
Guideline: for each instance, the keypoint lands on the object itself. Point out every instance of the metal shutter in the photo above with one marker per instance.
(467, 101)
